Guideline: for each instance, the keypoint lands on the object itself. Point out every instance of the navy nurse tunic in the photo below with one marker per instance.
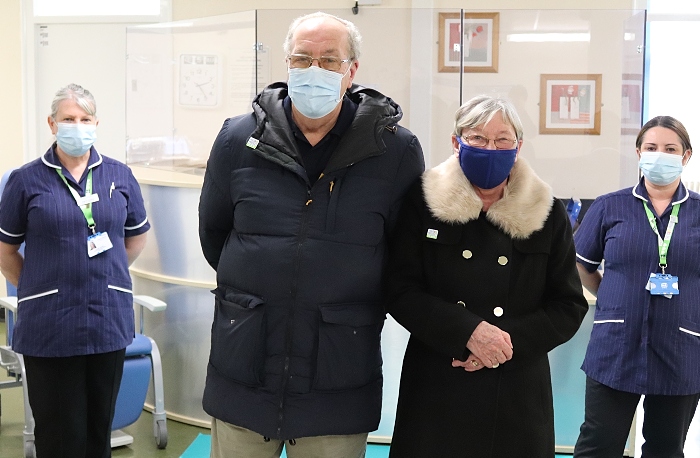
(643, 343)
(68, 303)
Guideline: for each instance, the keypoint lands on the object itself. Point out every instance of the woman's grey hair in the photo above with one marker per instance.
(481, 109)
(82, 97)
(354, 37)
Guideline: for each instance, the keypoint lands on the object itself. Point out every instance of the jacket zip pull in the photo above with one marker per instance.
(391, 129)
(330, 191)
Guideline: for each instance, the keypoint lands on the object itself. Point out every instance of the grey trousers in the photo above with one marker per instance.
(230, 441)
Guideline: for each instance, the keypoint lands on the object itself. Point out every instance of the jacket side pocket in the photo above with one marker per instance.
(238, 337)
(349, 352)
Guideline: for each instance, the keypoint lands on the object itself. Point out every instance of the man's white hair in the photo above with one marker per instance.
(354, 37)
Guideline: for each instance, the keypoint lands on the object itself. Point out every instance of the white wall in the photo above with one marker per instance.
(11, 116)
(11, 122)
(92, 55)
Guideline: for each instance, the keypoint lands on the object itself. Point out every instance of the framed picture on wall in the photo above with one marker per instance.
(570, 104)
(480, 40)
(631, 108)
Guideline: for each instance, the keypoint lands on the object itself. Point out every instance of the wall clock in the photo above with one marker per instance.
(199, 84)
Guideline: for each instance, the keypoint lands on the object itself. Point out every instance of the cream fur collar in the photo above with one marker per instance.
(526, 202)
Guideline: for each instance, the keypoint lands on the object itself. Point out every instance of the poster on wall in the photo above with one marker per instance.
(570, 104)
(480, 41)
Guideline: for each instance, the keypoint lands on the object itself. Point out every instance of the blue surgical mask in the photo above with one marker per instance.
(75, 139)
(485, 168)
(314, 91)
(661, 168)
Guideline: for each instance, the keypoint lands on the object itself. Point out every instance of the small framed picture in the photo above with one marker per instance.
(479, 39)
(570, 104)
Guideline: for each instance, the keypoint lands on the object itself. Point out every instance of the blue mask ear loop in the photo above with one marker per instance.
(461, 144)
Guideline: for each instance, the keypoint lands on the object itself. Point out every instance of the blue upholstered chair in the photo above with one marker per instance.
(142, 361)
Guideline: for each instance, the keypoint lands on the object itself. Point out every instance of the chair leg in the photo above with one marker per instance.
(160, 428)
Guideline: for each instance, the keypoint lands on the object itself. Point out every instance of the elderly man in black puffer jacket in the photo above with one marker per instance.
(297, 202)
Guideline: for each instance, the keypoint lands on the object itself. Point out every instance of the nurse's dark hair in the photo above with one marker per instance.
(82, 97)
(668, 122)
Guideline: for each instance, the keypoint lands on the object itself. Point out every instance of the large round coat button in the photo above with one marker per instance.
(502, 260)
(498, 311)
(466, 254)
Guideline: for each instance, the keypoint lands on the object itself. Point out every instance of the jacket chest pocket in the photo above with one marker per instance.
(238, 336)
(356, 208)
(444, 247)
(349, 351)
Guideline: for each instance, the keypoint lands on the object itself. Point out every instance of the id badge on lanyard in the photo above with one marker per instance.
(97, 242)
(663, 284)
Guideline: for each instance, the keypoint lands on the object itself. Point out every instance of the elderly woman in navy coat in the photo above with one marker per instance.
(482, 273)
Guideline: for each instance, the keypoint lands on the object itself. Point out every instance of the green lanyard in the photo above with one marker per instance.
(85, 208)
(666, 241)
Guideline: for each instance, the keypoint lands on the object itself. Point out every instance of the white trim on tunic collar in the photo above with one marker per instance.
(54, 166)
(639, 196)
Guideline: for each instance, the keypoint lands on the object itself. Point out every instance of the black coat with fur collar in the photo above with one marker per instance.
(453, 266)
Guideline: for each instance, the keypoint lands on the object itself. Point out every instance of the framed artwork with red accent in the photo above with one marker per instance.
(570, 104)
(479, 40)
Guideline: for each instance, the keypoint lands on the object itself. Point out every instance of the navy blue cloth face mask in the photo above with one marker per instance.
(485, 168)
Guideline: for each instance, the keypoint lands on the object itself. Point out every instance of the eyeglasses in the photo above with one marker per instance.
(480, 141)
(325, 62)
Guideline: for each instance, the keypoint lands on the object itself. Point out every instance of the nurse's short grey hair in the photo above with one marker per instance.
(354, 37)
(481, 109)
(82, 97)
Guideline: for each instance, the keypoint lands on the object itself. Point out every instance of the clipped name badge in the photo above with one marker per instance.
(663, 284)
(88, 199)
(98, 243)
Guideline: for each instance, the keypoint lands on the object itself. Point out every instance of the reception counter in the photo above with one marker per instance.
(173, 269)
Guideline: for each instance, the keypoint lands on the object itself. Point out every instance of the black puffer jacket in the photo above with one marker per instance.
(296, 333)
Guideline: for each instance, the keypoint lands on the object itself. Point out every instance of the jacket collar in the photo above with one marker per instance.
(275, 140)
(523, 209)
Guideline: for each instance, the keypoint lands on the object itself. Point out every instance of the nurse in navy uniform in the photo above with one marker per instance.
(82, 219)
(646, 330)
